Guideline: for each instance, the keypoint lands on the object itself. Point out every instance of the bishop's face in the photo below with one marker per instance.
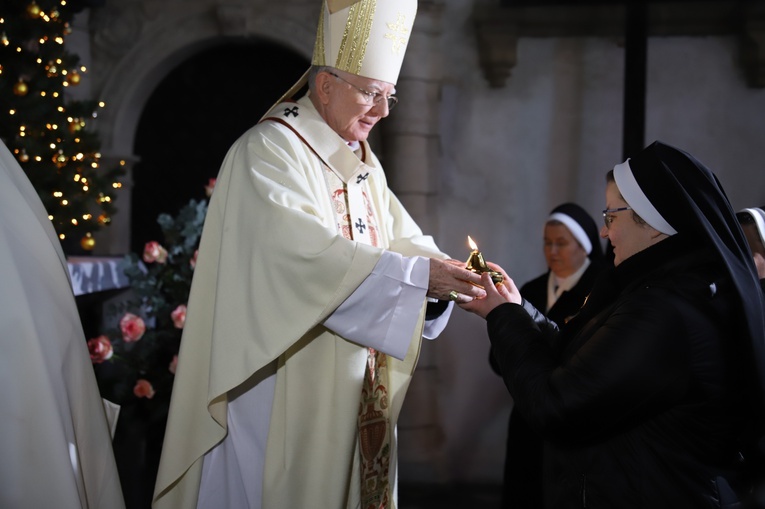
(355, 104)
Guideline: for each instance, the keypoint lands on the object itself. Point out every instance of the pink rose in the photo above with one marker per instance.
(132, 327)
(173, 364)
(179, 316)
(143, 389)
(210, 187)
(154, 252)
(100, 349)
(193, 261)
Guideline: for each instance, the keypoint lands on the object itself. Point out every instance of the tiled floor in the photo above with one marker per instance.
(459, 496)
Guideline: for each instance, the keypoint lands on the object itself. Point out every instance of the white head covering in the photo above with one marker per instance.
(636, 198)
(758, 215)
(575, 228)
(581, 226)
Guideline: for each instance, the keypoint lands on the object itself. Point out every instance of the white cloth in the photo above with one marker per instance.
(272, 269)
(54, 437)
(387, 296)
(90, 274)
(557, 285)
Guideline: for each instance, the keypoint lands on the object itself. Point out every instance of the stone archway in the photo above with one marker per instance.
(135, 44)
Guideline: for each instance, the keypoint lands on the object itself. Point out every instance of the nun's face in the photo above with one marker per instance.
(625, 234)
(563, 252)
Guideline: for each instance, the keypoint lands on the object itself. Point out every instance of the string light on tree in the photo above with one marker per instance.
(44, 127)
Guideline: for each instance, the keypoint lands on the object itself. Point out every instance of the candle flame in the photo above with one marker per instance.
(472, 244)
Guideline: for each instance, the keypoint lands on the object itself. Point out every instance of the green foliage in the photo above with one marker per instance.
(158, 288)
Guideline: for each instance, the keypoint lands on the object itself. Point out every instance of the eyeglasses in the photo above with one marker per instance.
(608, 216)
(371, 97)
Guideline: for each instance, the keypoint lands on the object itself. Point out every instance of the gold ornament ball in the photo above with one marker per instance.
(73, 78)
(20, 88)
(88, 242)
(75, 126)
(33, 10)
(23, 157)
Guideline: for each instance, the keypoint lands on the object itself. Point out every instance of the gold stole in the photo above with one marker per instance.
(356, 220)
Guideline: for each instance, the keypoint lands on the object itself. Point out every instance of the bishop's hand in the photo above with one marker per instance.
(450, 280)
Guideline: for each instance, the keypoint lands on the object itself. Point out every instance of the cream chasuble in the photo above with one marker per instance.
(54, 438)
(272, 268)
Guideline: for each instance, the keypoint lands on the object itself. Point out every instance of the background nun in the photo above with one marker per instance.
(574, 257)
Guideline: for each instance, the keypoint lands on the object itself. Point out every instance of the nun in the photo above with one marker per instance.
(651, 396)
(752, 221)
(574, 256)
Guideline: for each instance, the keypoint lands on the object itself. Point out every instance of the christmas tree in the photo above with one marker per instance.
(49, 132)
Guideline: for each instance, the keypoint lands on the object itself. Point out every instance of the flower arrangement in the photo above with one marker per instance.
(135, 358)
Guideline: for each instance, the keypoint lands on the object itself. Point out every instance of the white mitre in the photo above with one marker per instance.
(363, 37)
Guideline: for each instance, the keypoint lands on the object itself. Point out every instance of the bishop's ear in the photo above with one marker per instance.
(324, 85)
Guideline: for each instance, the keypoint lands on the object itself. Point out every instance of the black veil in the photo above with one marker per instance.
(691, 199)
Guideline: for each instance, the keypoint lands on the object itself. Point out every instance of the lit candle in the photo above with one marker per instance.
(477, 264)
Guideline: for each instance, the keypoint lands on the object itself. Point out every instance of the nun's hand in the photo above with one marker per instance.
(495, 294)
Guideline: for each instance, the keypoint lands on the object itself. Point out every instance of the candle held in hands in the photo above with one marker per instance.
(477, 264)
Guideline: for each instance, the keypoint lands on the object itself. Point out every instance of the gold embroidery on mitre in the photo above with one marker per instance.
(318, 48)
(400, 29)
(358, 27)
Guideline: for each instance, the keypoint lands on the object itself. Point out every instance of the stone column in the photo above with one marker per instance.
(411, 156)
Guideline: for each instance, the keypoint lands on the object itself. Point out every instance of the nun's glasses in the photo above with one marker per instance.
(608, 216)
